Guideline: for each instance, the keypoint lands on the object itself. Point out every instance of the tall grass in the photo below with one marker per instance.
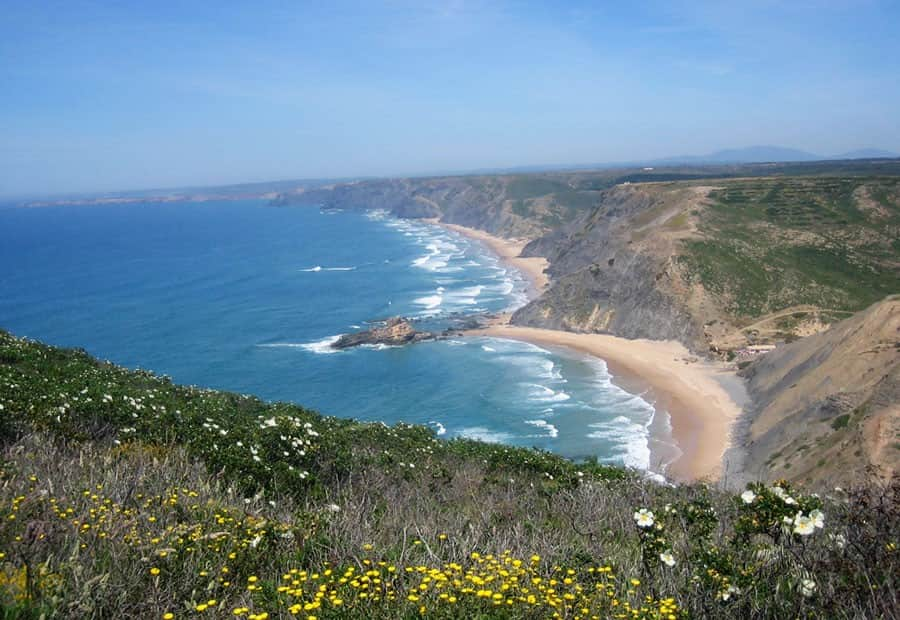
(137, 506)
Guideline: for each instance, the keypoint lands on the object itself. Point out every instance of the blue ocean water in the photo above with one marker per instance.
(246, 297)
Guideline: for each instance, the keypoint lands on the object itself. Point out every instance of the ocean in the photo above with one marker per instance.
(241, 296)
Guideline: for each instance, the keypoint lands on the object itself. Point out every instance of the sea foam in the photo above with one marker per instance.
(486, 435)
(551, 430)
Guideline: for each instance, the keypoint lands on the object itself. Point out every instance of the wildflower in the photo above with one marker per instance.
(818, 518)
(333, 508)
(643, 518)
(804, 525)
(748, 496)
(168, 615)
(724, 595)
(154, 571)
(807, 587)
(667, 558)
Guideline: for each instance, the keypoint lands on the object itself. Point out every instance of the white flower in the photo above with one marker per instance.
(818, 518)
(804, 525)
(807, 587)
(748, 496)
(333, 508)
(790, 501)
(270, 422)
(724, 595)
(643, 518)
(779, 492)
(667, 558)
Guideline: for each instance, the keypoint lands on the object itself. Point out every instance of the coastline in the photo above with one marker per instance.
(509, 251)
(697, 402)
(694, 394)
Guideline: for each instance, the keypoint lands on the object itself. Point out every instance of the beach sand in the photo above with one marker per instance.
(699, 399)
(509, 251)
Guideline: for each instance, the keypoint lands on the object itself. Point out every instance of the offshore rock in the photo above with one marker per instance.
(395, 332)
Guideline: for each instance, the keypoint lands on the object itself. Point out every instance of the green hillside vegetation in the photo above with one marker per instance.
(125, 495)
(773, 243)
(553, 199)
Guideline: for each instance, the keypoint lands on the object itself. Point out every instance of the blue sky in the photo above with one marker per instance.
(117, 95)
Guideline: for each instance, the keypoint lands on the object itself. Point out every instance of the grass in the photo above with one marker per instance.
(124, 495)
(840, 422)
(532, 186)
(773, 243)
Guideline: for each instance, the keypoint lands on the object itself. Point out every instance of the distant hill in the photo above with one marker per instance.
(745, 155)
(764, 153)
(867, 154)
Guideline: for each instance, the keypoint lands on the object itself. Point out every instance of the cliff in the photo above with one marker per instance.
(610, 275)
(486, 203)
(717, 264)
(827, 407)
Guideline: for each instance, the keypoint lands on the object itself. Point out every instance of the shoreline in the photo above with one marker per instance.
(696, 401)
(509, 251)
(699, 397)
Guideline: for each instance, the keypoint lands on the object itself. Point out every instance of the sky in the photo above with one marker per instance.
(102, 96)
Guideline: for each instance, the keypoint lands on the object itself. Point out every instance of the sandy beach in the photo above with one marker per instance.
(509, 251)
(702, 399)
(698, 395)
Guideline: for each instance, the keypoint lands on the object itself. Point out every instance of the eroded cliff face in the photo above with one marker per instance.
(613, 272)
(716, 264)
(477, 202)
(827, 407)
(612, 263)
(624, 298)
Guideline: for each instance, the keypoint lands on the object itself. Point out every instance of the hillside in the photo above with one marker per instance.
(720, 266)
(827, 407)
(703, 255)
(727, 264)
(126, 496)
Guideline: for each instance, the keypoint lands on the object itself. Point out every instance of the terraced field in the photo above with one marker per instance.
(769, 244)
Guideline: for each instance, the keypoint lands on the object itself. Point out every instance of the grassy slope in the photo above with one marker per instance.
(124, 495)
(780, 242)
(544, 201)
